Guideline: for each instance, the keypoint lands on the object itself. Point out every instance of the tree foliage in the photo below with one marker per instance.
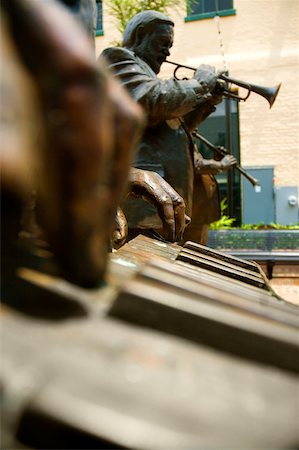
(124, 10)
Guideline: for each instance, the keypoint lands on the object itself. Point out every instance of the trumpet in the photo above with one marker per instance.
(269, 93)
(222, 151)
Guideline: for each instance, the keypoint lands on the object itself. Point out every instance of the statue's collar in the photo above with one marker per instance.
(144, 64)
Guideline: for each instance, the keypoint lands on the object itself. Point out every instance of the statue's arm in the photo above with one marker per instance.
(161, 99)
(194, 118)
(212, 166)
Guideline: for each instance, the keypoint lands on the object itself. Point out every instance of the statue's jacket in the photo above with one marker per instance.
(165, 147)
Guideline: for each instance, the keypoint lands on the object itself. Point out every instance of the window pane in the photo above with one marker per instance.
(196, 7)
(206, 6)
(210, 6)
(214, 128)
(100, 16)
(225, 4)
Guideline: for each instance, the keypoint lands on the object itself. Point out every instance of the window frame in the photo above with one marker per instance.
(99, 31)
(208, 15)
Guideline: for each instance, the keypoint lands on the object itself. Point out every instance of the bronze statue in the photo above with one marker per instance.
(79, 151)
(87, 129)
(153, 189)
(170, 206)
(173, 108)
(148, 185)
(206, 202)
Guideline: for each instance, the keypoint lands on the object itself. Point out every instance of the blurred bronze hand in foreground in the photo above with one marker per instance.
(83, 143)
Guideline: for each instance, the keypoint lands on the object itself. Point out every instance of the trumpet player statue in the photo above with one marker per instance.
(173, 108)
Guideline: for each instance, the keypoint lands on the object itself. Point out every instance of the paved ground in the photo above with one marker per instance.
(285, 282)
(287, 288)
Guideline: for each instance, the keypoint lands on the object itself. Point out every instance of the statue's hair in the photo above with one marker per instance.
(144, 19)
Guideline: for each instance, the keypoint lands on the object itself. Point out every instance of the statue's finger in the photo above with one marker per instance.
(180, 222)
(168, 217)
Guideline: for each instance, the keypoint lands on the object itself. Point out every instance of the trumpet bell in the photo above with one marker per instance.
(269, 93)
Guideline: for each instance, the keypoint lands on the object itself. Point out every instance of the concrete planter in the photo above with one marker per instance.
(263, 240)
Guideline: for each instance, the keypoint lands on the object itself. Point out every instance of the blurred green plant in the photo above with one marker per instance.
(124, 10)
(225, 221)
(278, 226)
(252, 226)
(270, 226)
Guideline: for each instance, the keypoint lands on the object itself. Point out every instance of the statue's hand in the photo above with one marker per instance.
(227, 162)
(170, 205)
(207, 76)
(120, 231)
(217, 94)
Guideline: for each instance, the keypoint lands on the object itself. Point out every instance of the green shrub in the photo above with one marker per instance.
(225, 222)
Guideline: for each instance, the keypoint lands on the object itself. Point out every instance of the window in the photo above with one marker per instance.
(99, 26)
(204, 9)
(217, 128)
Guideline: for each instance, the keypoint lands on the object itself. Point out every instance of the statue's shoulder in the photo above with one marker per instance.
(116, 54)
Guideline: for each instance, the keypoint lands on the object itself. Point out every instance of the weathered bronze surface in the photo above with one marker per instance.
(173, 108)
(222, 267)
(106, 384)
(166, 297)
(249, 265)
(169, 376)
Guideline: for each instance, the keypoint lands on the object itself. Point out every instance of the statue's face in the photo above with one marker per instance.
(155, 45)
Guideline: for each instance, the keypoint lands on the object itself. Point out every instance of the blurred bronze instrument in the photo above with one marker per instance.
(223, 151)
(269, 93)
